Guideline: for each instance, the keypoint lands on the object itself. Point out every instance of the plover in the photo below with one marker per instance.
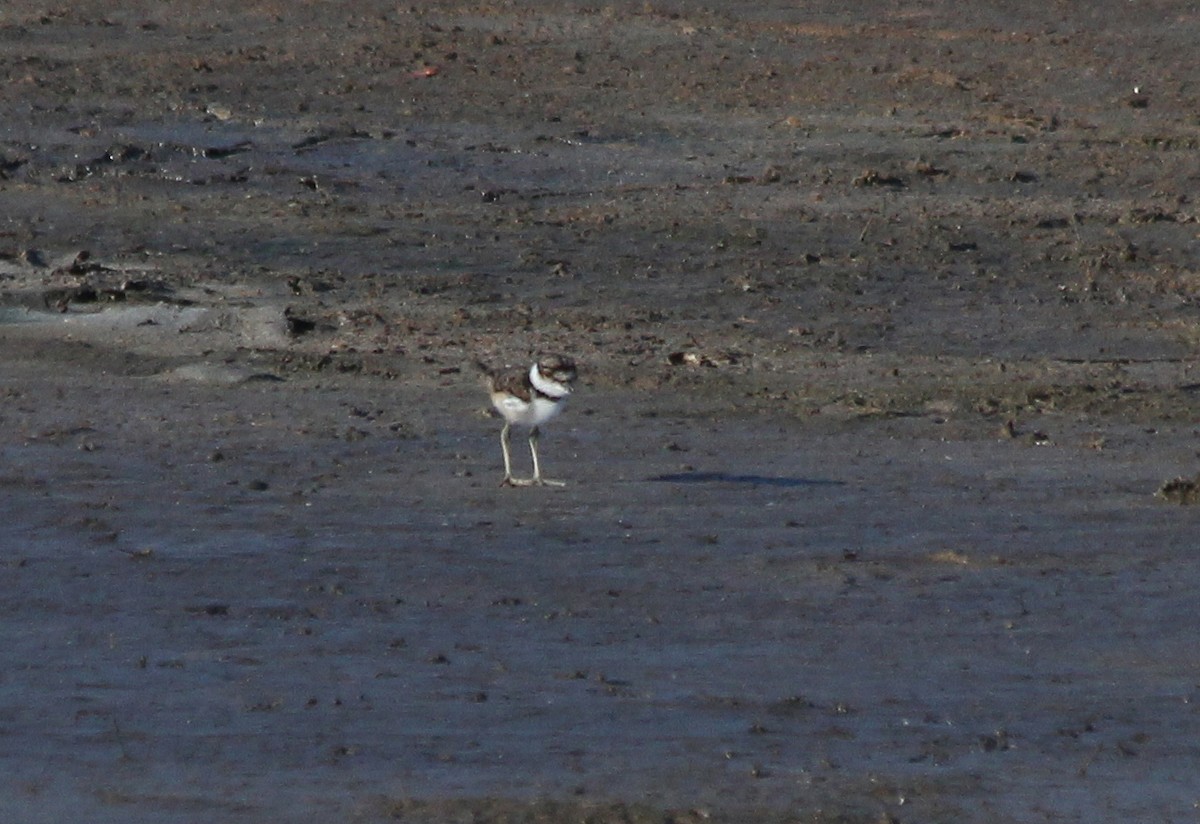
(530, 397)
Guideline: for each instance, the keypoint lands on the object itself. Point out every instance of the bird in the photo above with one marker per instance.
(530, 397)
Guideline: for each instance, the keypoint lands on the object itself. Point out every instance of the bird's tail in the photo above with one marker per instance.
(487, 375)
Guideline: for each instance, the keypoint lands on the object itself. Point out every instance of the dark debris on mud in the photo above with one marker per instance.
(509, 811)
(1183, 491)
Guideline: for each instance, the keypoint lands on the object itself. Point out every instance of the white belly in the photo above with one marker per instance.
(519, 412)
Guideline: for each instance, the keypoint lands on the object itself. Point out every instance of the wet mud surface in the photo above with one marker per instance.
(881, 477)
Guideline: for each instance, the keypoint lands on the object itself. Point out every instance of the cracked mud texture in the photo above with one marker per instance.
(878, 502)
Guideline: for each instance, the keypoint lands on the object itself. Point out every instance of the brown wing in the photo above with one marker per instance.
(514, 382)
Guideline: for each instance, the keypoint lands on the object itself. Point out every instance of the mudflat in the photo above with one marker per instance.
(880, 473)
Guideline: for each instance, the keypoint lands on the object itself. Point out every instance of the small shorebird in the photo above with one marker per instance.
(530, 397)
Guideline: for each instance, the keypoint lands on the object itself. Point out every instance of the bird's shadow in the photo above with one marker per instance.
(740, 478)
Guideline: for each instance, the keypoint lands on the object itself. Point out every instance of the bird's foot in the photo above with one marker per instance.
(536, 481)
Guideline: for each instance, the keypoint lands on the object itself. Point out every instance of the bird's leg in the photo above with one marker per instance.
(507, 460)
(537, 470)
(533, 439)
(509, 480)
